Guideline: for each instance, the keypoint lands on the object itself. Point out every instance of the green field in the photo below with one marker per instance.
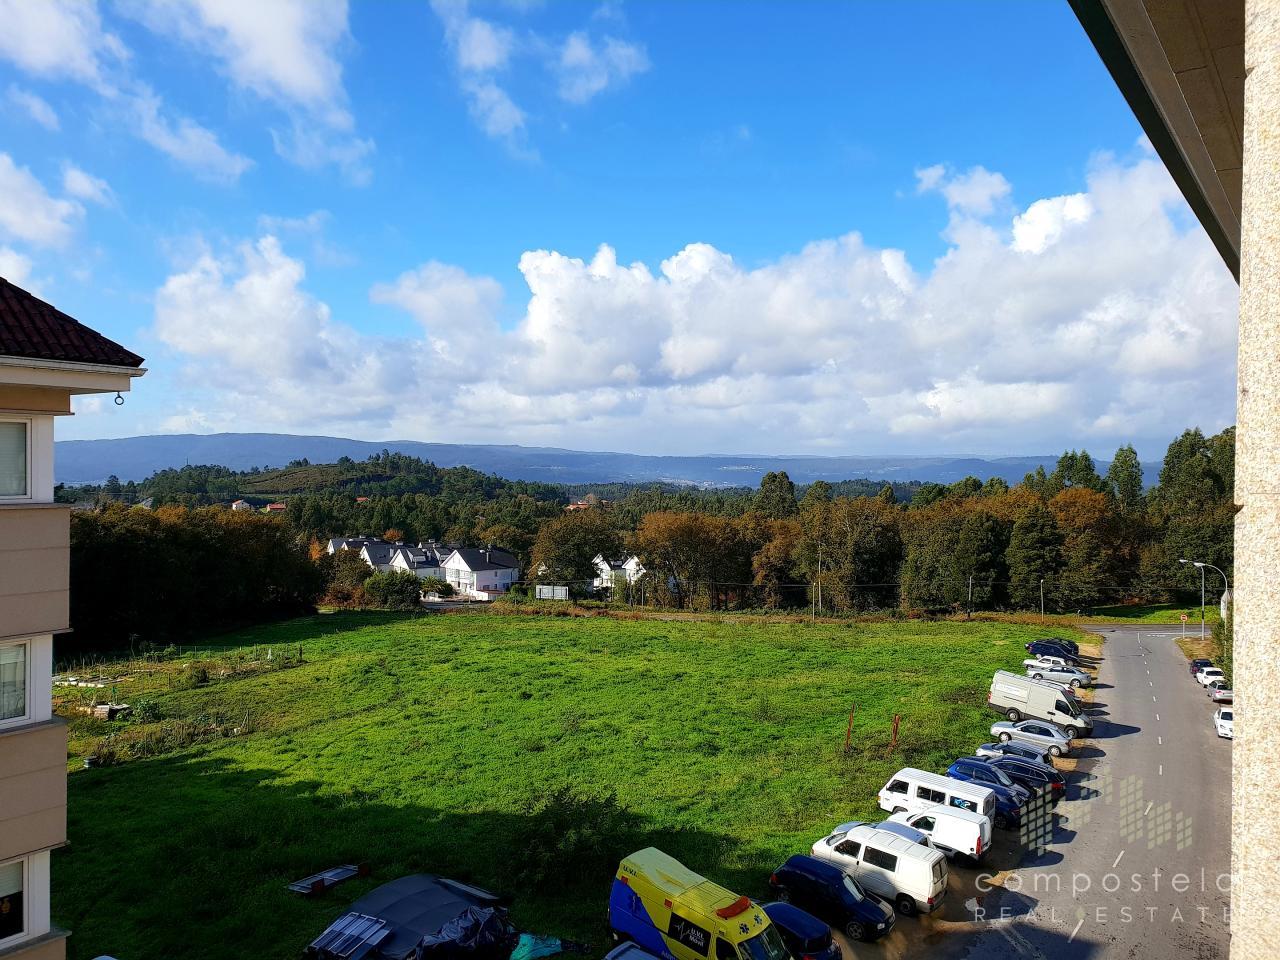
(1157, 613)
(432, 744)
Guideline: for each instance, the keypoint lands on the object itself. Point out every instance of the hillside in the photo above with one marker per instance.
(134, 458)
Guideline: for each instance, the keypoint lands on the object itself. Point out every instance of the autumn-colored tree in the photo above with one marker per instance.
(393, 535)
(566, 547)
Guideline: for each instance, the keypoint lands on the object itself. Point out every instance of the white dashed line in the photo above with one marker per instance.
(1159, 740)
(1144, 813)
(1157, 716)
(1161, 770)
(1121, 854)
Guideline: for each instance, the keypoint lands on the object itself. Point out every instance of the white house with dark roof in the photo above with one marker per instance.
(483, 573)
(609, 572)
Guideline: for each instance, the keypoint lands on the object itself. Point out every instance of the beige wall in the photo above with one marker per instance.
(33, 788)
(34, 399)
(34, 568)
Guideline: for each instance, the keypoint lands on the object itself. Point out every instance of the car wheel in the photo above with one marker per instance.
(1037, 676)
(1071, 732)
(1055, 751)
(855, 931)
(783, 894)
(1075, 684)
(1005, 738)
(1002, 822)
(1014, 716)
(906, 906)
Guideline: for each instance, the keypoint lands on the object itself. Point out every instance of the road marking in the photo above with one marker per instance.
(1159, 740)
(1079, 924)
(1121, 853)
(1144, 813)
(1161, 770)
(1150, 684)
(1157, 716)
(1153, 698)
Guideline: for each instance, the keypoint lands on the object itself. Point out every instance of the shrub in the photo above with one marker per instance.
(573, 834)
(438, 586)
(145, 711)
(396, 590)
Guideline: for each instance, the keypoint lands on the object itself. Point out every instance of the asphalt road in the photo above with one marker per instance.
(1134, 862)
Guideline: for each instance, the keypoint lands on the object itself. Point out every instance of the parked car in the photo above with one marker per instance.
(1198, 664)
(1024, 697)
(1035, 732)
(954, 831)
(1038, 777)
(1039, 648)
(825, 890)
(1063, 642)
(1070, 675)
(1224, 722)
(1208, 674)
(1012, 749)
(913, 877)
(806, 937)
(915, 791)
(1222, 695)
(1046, 660)
(1010, 797)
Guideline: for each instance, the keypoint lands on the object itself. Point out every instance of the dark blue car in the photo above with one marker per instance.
(1035, 776)
(1010, 798)
(807, 937)
(825, 891)
(1052, 648)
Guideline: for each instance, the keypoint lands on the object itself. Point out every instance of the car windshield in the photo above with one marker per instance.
(765, 945)
(853, 888)
(1226, 715)
(1002, 777)
(1072, 709)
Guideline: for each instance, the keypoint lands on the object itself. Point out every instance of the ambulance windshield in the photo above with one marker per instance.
(765, 945)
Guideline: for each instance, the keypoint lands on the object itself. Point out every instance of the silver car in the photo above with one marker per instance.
(1036, 732)
(1025, 751)
(1065, 675)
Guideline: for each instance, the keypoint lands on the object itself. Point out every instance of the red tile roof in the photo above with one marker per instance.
(29, 327)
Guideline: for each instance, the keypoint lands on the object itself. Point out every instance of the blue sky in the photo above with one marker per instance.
(856, 228)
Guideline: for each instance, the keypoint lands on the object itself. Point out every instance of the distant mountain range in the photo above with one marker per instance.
(135, 458)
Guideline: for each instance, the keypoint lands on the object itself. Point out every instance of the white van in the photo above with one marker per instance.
(911, 876)
(915, 791)
(1019, 698)
(953, 830)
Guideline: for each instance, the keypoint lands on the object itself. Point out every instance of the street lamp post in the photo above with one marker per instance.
(1200, 564)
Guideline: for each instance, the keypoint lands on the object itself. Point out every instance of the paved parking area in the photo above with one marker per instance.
(1135, 862)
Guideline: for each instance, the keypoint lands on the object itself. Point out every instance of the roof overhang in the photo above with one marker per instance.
(1180, 66)
(68, 376)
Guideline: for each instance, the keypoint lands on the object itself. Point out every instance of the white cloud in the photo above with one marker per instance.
(29, 213)
(195, 147)
(35, 106)
(495, 112)
(15, 268)
(482, 45)
(1102, 336)
(85, 186)
(974, 192)
(587, 68)
(57, 39)
(1042, 224)
(287, 53)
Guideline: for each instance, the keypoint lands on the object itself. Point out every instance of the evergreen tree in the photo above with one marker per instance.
(1124, 478)
(777, 496)
(819, 492)
(1034, 554)
(886, 494)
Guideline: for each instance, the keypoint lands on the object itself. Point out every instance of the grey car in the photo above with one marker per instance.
(1024, 751)
(1035, 732)
(1065, 675)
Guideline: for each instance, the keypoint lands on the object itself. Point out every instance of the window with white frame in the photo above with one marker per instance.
(13, 681)
(13, 909)
(15, 459)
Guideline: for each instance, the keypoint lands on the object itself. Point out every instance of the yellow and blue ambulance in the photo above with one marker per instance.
(674, 914)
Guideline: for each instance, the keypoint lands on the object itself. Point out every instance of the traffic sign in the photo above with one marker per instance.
(1184, 618)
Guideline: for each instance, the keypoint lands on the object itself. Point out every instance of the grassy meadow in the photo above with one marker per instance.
(525, 753)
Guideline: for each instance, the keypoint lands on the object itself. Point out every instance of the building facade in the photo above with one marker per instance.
(45, 358)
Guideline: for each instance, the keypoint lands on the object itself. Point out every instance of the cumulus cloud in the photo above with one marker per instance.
(973, 192)
(29, 213)
(587, 68)
(1097, 318)
(195, 147)
(34, 106)
(58, 39)
(16, 268)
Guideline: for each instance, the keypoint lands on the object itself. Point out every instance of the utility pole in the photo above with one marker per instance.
(819, 576)
(969, 615)
(1042, 596)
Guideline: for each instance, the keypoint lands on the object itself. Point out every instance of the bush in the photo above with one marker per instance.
(572, 835)
(396, 590)
(437, 586)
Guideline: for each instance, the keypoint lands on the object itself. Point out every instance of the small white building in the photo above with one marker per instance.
(611, 572)
(240, 505)
(481, 573)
